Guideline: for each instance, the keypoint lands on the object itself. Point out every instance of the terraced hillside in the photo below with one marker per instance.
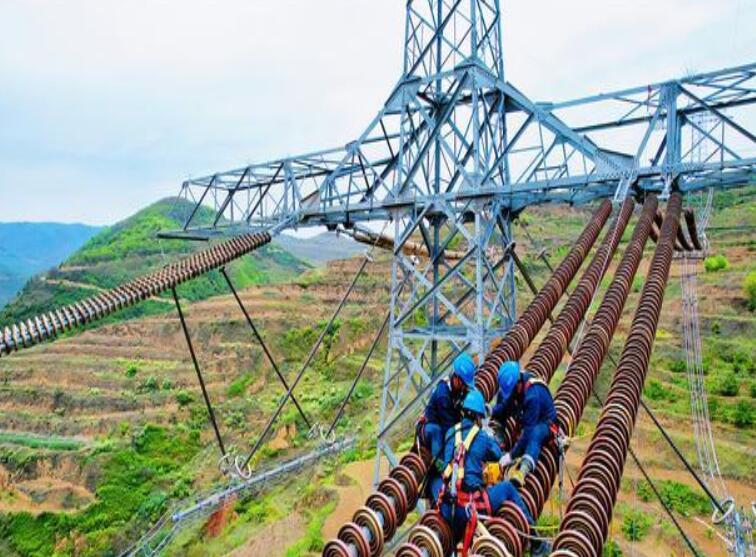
(106, 428)
(129, 249)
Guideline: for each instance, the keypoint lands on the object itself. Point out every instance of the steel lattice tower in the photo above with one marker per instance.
(449, 98)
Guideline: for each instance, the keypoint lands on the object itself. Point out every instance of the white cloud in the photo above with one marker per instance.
(113, 101)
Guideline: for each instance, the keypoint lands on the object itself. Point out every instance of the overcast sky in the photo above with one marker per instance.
(106, 106)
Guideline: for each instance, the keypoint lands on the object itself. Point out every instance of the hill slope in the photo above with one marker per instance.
(27, 248)
(121, 431)
(322, 248)
(130, 248)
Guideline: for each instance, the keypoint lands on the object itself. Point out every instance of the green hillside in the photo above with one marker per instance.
(136, 429)
(131, 248)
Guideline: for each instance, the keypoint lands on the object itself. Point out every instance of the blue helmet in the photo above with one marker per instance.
(474, 402)
(464, 368)
(509, 374)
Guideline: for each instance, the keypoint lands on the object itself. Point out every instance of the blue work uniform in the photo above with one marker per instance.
(483, 449)
(534, 411)
(442, 412)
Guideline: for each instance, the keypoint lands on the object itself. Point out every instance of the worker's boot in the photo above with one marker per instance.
(526, 467)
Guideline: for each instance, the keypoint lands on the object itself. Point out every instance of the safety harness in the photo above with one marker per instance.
(452, 490)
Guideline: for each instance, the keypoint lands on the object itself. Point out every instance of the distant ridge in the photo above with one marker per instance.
(131, 248)
(27, 248)
(320, 249)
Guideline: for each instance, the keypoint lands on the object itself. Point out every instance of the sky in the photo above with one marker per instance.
(106, 106)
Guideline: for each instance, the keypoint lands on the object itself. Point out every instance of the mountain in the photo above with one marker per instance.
(131, 248)
(27, 248)
(319, 250)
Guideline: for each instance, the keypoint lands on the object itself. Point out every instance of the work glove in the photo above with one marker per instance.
(505, 460)
(439, 465)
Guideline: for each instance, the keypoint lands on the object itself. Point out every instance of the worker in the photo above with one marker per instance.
(526, 398)
(462, 493)
(444, 408)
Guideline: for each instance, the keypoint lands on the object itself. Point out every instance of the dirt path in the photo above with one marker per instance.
(358, 478)
(43, 495)
(273, 539)
(73, 284)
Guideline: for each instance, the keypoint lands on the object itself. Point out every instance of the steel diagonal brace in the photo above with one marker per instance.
(439, 283)
(626, 182)
(707, 134)
(262, 343)
(201, 199)
(443, 366)
(556, 126)
(430, 140)
(443, 299)
(719, 114)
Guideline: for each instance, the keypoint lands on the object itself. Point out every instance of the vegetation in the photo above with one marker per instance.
(611, 549)
(715, 263)
(34, 247)
(313, 538)
(749, 285)
(135, 483)
(131, 248)
(677, 496)
(636, 524)
(244, 390)
(41, 442)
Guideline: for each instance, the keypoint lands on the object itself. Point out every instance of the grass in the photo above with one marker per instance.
(312, 542)
(679, 497)
(635, 524)
(136, 482)
(41, 442)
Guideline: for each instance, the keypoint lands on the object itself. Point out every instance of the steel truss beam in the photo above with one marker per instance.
(456, 152)
(653, 141)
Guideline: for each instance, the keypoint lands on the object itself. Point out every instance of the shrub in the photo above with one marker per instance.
(742, 415)
(635, 525)
(716, 263)
(184, 398)
(239, 385)
(132, 369)
(149, 385)
(678, 366)
(166, 385)
(678, 496)
(656, 391)
(728, 385)
(611, 549)
(749, 285)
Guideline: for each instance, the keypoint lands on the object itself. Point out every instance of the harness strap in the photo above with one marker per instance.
(473, 503)
(458, 458)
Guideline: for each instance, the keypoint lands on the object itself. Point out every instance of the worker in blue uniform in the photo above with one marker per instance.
(444, 408)
(461, 490)
(526, 398)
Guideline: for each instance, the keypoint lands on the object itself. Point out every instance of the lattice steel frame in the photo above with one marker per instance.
(456, 152)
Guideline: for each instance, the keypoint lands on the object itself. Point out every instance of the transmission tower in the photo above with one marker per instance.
(449, 93)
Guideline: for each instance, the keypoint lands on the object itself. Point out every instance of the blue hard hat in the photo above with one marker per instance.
(464, 368)
(509, 374)
(474, 402)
